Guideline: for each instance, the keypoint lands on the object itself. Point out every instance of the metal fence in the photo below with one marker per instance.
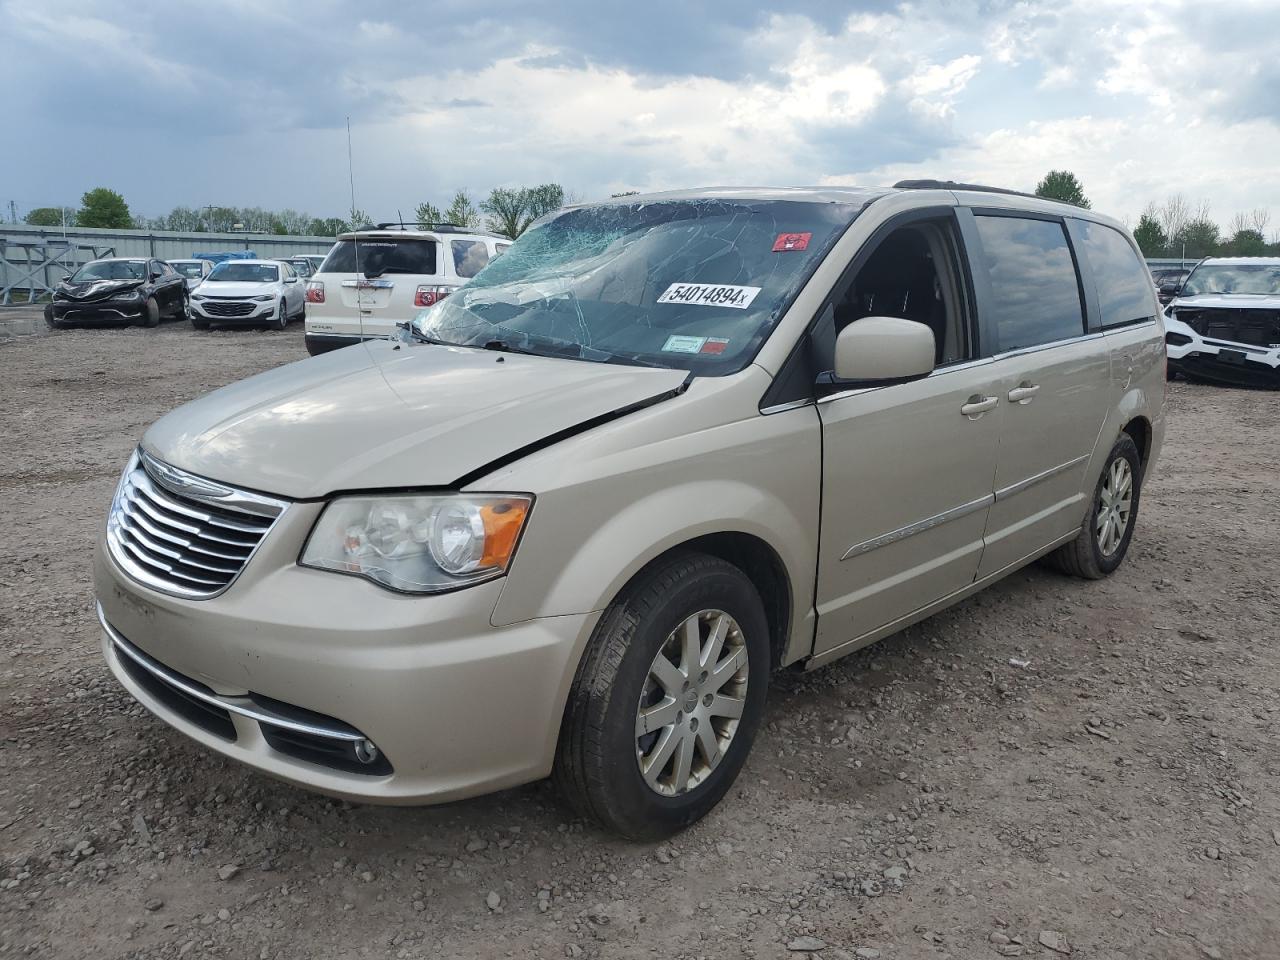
(33, 259)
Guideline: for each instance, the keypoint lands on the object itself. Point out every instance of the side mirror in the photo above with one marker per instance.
(879, 351)
(1170, 285)
(291, 280)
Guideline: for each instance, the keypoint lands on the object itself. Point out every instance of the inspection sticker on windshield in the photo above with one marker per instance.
(710, 295)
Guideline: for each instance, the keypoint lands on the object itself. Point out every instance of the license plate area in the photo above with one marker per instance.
(1231, 356)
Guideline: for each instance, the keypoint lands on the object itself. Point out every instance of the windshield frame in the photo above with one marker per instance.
(695, 362)
(1273, 269)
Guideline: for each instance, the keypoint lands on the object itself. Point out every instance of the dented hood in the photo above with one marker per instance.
(95, 289)
(378, 416)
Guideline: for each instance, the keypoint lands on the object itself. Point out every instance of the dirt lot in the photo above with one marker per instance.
(1053, 767)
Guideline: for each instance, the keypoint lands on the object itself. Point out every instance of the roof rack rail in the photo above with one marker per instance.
(440, 227)
(954, 185)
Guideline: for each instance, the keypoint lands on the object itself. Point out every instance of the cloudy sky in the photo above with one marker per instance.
(244, 102)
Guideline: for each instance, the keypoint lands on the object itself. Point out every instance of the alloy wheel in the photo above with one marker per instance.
(1115, 506)
(693, 697)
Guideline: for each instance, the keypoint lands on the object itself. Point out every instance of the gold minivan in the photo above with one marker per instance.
(572, 519)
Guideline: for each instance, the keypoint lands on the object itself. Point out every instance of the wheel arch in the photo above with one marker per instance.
(759, 563)
(1139, 430)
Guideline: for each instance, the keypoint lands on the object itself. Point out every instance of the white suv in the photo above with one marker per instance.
(374, 279)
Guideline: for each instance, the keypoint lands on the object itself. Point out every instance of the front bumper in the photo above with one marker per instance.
(75, 311)
(455, 706)
(261, 312)
(1220, 361)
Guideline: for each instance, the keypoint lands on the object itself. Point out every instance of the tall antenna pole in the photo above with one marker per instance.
(355, 240)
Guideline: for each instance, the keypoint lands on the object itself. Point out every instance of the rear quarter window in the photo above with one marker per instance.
(1124, 286)
(1034, 287)
(383, 256)
(469, 256)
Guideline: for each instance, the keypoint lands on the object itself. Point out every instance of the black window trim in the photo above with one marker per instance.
(1090, 320)
(781, 396)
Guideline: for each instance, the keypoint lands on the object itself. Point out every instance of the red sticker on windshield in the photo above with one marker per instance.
(715, 345)
(792, 241)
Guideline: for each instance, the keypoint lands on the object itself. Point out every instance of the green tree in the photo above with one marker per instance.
(357, 219)
(508, 211)
(1150, 235)
(511, 210)
(50, 216)
(624, 193)
(429, 213)
(1247, 243)
(101, 207)
(1199, 238)
(1062, 185)
(462, 211)
(327, 227)
(544, 199)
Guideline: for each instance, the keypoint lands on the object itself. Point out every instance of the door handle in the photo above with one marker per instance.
(978, 405)
(1024, 392)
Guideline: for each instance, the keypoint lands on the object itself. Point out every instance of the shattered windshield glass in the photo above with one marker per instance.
(1261, 278)
(694, 284)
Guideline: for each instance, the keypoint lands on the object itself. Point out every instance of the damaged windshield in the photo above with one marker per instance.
(1256, 278)
(694, 284)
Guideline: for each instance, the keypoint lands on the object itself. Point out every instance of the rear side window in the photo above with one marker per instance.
(1124, 286)
(379, 256)
(1034, 288)
(469, 256)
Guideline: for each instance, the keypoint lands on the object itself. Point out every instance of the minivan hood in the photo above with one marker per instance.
(237, 288)
(1236, 301)
(380, 415)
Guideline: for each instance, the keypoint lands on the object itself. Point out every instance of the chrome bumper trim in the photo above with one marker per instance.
(238, 705)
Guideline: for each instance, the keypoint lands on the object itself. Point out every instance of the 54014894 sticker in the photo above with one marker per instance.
(710, 295)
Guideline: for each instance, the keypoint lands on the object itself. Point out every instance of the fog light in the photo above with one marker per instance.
(366, 752)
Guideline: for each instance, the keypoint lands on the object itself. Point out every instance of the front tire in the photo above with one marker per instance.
(150, 313)
(1104, 538)
(282, 320)
(52, 320)
(667, 699)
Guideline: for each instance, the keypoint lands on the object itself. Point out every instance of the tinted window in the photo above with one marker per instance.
(469, 256)
(1124, 286)
(382, 255)
(1035, 293)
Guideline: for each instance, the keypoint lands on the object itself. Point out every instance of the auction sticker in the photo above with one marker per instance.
(710, 295)
(680, 344)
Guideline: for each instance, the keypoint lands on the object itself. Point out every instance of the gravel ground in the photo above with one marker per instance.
(1051, 768)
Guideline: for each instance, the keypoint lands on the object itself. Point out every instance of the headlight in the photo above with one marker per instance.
(264, 298)
(198, 296)
(418, 544)
(134, 294)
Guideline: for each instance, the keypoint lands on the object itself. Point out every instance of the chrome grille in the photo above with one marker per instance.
(229, 308)
(182, 534)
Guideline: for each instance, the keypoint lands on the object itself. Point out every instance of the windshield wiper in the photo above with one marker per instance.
(421, 337)
(505, 346)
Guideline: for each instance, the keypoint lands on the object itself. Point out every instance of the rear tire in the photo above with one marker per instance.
(150, 313)
(1085, 556)
(599, 757)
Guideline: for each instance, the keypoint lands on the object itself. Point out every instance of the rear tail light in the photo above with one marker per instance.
(428, 296)
(315, 291)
